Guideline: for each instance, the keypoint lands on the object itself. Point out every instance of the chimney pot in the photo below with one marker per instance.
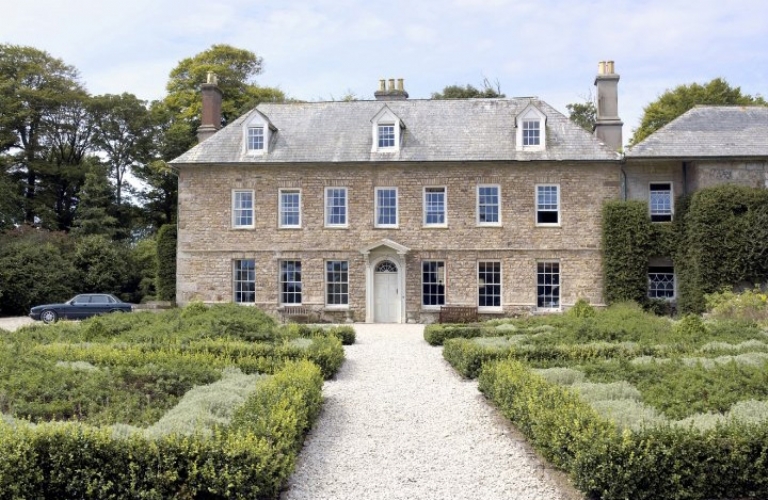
(609, 65)
(400, 84)
(382, 85)
(391, 84)
(601, 68)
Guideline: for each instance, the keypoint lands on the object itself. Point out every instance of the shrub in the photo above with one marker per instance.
(582, 309)
(436, 334)
(166, 262)
(749, 305)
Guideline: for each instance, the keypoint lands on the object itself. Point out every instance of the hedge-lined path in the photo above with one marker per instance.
(399, 423)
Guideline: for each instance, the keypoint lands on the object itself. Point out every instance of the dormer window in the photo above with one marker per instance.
(531, 133)
(531, 127)
(387, 136)
(386, 132)
(255, 138)
(257, 134)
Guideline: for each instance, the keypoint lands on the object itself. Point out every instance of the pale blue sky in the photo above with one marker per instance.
(323, 49)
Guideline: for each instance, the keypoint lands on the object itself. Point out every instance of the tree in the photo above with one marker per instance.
(583, 114)
(96, 202)
(43, 131)
(166, 262)
(102, 267)
(235, 70)
(124, 134)
(677, 101)
(469, 92)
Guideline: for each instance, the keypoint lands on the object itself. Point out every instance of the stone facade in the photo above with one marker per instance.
(208, 243)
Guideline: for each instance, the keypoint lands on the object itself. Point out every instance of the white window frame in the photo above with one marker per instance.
(425, 212)
(391, 138)
(239, 281)
(479, 205)
(543, 284)
(252, 138)
(656, 215)
(481, 284)
(238, 210)
(440, 281)
(653, 291)
(539, 210)
(284, 282)
(282, 208)
(377, 207)
(386, 118)
(344, 284)
(530, 115)
(531, 133)
(329, 208)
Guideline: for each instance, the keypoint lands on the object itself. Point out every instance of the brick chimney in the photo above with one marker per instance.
(608, 125)
(390, 93)
(211, 119)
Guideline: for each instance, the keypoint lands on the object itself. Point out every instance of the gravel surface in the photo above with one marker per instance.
(14, 322)
(399, 423)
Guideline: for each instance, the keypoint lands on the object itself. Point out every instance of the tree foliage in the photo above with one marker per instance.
(166, 262)
(470, 92)
(583, 114)
(682, 98)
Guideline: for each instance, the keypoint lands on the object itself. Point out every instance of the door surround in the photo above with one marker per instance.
(374, 254)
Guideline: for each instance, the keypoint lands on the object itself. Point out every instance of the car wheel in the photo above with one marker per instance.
(117, 311)
(49, 316)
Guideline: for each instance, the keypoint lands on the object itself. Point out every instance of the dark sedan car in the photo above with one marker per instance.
(80, 307)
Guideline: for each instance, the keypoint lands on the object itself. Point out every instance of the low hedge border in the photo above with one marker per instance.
(251, 458)
(729, 461)
(468, 356)
(437, 334)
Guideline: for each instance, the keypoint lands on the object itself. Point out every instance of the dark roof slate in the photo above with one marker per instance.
(709, 131)
(436, 130)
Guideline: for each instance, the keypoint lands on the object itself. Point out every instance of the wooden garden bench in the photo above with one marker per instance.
(296, 313)
(458, 314)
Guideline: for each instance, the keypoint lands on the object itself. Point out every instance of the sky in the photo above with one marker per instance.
(324, 49)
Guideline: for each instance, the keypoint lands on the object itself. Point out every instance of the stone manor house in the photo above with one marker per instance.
(385, 210)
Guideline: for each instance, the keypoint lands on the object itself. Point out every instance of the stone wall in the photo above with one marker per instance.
(208, 243)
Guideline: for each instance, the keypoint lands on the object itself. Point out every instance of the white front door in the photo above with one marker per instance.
(386, 293)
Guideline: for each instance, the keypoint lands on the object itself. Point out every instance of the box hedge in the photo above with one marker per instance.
(608, 463)
(251, 458)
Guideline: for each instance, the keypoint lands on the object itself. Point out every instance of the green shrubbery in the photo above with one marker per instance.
(252, 457)
(436, 334)
(726, 461)
(202, 402)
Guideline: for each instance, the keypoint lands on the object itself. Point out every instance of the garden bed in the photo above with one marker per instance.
(200, 402)
(631, 405)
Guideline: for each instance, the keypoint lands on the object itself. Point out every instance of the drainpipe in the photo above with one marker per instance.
(685, 177)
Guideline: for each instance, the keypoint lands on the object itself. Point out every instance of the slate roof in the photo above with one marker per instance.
(436, 130)
(709, 131)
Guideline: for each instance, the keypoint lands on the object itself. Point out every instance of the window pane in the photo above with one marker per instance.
(488, 204)
(242, 206)
(547, 205)
(255, 138)
(337, 282)
(290, 282)
(386, 136)
(290, 208)
(548, 281)
(433, 283)
(386, 207)
(489, 284)
(434, 205)
(336, 206)
(661, 282)
(245, 281)
(661, 202)
(531, 133)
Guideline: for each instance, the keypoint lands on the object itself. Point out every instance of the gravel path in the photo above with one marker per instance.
(399, 423)
(14, 322)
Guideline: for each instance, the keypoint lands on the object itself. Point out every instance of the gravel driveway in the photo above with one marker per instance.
(399, 423)
(14, 322)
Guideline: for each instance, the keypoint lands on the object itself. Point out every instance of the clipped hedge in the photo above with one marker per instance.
(467, 356)
(606, 463)
(345, 333)
(166, 262)
(437, 334)
(251, 458)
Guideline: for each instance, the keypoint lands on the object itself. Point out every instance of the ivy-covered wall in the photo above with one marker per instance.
(719, 238)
